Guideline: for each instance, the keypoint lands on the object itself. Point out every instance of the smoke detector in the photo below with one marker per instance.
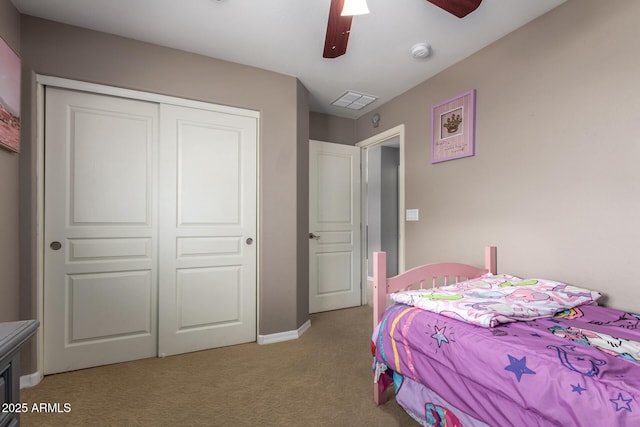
(420, 50)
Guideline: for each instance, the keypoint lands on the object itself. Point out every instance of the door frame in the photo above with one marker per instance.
(41, 82)
(373, 141)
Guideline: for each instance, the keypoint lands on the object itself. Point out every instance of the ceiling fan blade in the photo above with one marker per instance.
(338, 28)
(459, 8)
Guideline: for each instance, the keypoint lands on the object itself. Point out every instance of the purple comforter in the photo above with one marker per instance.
(578, 368)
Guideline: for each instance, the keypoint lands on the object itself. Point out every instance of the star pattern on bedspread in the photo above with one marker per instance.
(577, 388)
(518, 367)
(440, 336)
(620, 405)
(498, 332)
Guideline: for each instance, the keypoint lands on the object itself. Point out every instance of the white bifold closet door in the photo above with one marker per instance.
(149, 209)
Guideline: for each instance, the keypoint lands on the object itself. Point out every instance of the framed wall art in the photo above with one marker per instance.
(454, 128)
(9, 98)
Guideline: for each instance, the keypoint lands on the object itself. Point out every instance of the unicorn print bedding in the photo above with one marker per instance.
(493, 299)
(579, 367)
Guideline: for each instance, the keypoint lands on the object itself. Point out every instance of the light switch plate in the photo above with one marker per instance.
(413, 214)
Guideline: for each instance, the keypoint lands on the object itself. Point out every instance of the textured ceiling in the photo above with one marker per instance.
(287, 36)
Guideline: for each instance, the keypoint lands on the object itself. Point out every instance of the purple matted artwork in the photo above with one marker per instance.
(454, 128)
(9, 98)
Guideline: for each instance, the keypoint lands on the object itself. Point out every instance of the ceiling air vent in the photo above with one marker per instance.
(353, 100)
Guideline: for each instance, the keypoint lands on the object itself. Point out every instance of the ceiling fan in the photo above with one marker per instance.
(339, 24)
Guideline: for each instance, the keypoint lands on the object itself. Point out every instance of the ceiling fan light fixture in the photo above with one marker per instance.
(355, 7)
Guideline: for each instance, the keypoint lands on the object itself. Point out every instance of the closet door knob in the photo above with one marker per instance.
(55, 245)
(249, 241)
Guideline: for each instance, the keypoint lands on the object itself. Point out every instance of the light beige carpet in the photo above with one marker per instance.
(322, 379)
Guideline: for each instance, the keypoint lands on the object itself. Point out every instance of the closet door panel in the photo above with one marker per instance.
(207, 229)
(100, 278)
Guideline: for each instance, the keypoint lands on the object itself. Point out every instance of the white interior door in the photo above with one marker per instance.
(207, 229)
(334, 226)
(100, 261)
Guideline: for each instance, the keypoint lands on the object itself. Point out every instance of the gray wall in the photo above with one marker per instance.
(302, 188)
(64, 51)
(389, 206)
(325, 127)
(9, 193)
(555, 182)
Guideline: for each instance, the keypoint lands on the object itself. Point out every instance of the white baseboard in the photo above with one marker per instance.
(284, 336)
(31, 380)
(34, 379)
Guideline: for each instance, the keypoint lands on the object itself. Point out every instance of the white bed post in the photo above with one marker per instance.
(379, 286)
(490, 259)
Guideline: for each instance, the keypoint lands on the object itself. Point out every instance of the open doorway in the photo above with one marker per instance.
(382, 203)
(383, 162)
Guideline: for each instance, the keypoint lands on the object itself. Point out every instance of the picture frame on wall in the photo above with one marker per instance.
(453, 123)
(9, 98)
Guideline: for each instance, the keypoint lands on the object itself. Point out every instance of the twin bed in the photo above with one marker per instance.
(474, 348)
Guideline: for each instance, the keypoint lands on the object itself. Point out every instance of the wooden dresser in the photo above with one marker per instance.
(12, 336)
